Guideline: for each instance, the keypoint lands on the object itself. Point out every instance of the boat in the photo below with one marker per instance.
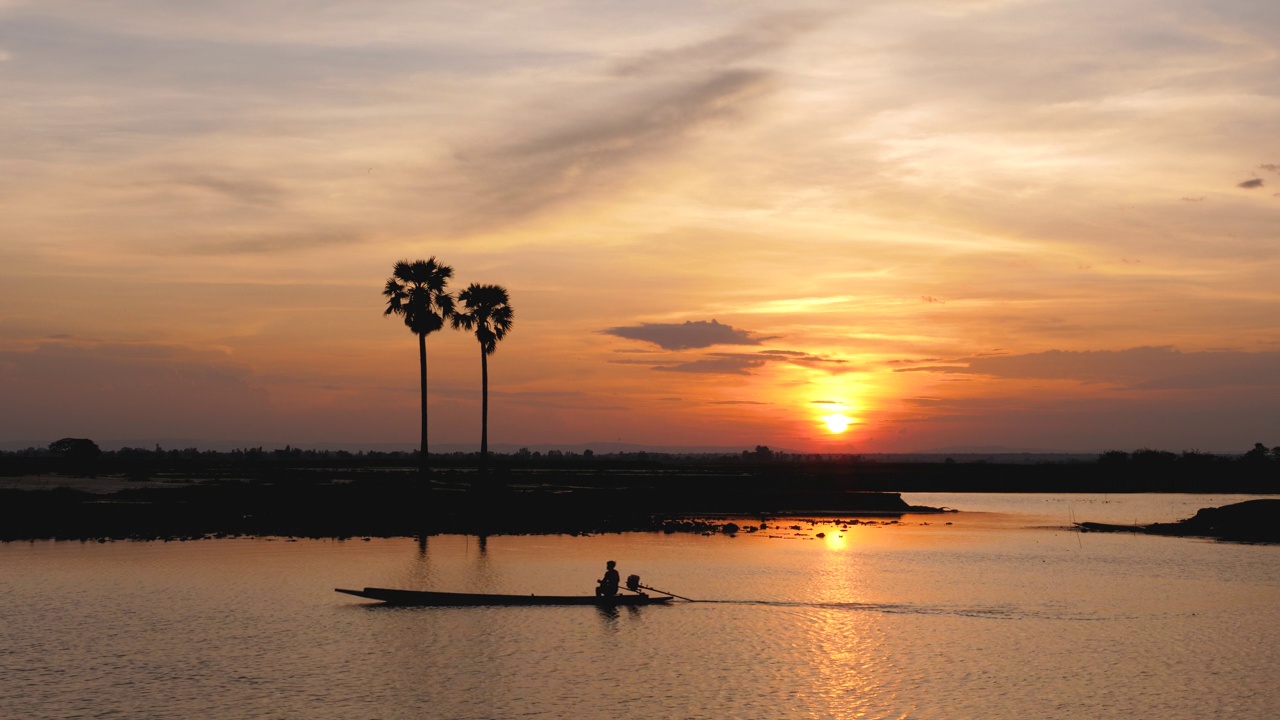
(420, 598)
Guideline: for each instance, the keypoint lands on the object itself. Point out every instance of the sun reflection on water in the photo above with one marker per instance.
(848, 669)
(836, 541)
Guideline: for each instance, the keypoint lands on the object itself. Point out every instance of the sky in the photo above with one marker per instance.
(943, 223)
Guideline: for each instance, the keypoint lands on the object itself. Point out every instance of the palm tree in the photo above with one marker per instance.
(416, 291)
(487, 310)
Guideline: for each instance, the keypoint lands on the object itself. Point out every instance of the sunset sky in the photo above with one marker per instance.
(1031, 225)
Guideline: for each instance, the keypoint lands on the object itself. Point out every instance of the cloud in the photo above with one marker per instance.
(1273, 167)
(647, 121)
(598, 151)
(744, 363)
(1251, 184)
(603, 131)
(718, 365)
(927, 402)
(1142, 368)
(802, 358)
(688, 335)
(74, 47)
(246, 190)
(945, 368)
(254, 243)
(759, 37)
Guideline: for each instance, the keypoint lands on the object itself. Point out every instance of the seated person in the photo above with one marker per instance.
(607, 586)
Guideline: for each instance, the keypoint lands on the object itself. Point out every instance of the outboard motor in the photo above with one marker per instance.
(633, 583)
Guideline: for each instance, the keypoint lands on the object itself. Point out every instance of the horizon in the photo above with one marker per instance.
(597, 448)
(875, 230)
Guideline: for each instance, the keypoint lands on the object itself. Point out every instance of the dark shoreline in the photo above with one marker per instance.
(1252, 521)
(402, 504)
(181, 495)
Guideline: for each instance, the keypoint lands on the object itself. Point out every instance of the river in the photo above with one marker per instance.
(998, 611)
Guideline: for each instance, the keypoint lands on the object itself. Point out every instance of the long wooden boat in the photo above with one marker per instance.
(447, 599)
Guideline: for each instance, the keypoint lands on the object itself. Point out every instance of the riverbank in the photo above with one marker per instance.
(395, 504)
(323, 496)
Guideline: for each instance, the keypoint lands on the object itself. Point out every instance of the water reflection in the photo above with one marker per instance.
(487, 574)
(850, 662)
(418, 571)
(836, 541)
(611, 615)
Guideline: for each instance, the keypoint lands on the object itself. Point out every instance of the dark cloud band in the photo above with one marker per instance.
(689, 335)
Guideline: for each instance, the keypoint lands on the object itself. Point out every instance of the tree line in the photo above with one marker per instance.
(1146, 456)
(85, 449)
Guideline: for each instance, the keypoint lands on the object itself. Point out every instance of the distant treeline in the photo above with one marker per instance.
(85, 456)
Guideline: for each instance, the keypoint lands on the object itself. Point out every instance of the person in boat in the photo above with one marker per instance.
(607, 586)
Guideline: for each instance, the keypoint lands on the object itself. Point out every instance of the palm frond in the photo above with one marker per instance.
(485, 309)
(417, 291)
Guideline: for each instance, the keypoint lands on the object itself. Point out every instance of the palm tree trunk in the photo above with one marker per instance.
(422, 364)
(484, 405)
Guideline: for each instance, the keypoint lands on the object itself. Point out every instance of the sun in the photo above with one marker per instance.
(838, 423)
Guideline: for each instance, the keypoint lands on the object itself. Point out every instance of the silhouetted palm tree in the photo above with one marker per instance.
(416, 292)
(487, 310)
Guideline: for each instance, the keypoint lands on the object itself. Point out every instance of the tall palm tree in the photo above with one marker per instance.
(487, 310)
(416, 292)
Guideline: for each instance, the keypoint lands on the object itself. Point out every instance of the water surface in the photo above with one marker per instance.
(1005, 612)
